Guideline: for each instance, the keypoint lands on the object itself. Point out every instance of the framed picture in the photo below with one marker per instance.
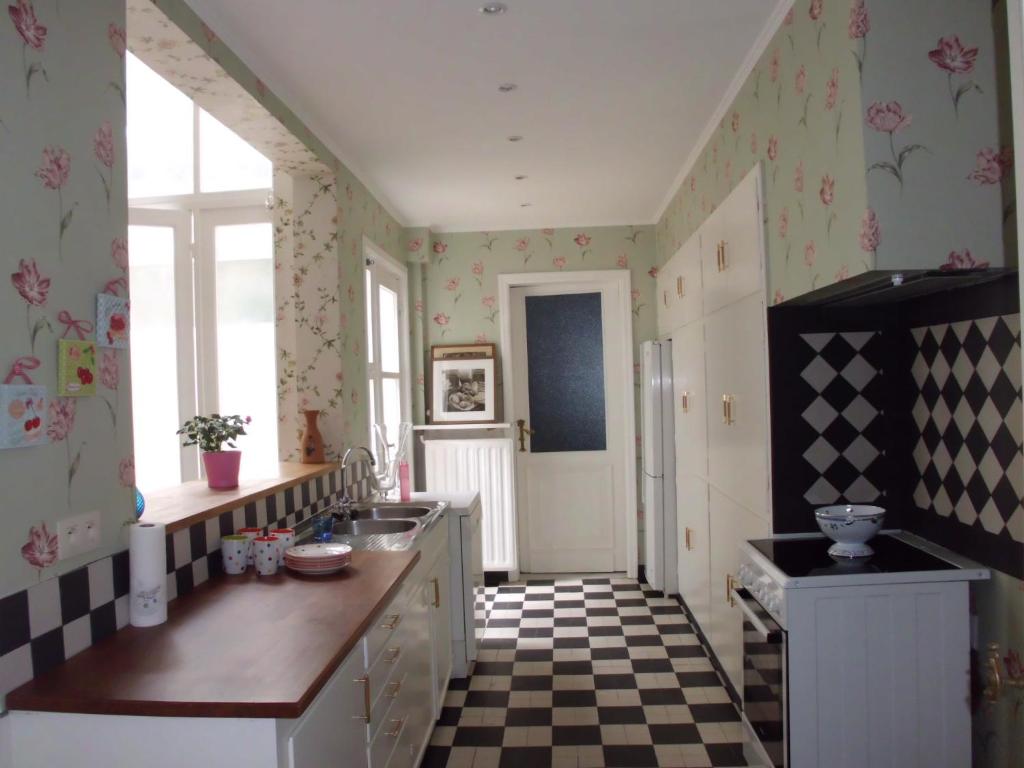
(461, 351)
(462, 391)
(76, 368)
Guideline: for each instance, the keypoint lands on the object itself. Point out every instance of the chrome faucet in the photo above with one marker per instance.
(344, 506)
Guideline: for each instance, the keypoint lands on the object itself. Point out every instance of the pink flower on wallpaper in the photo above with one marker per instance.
(522, 244)
(30, 284)
(452, 284)
(442, 319)
(623, 261)
(783, 223)
(815, 10)
(55, 169)
(103, 144)
(118, 41)
(735, 123)
(728, 170)
(870, 233)
(753, 143)
(801, 79)
(773, 147)
(418, 306)
(415, 244)
(842, 273)
(962, 260)
(481, 338)
(24, 17)
(779, 298)
(788, 18)
(773, 66)
(714, 153)
(860, 24)
(488, 301)
(810, 254)
(547, 231)
(119, 253)
(477, 268)
(62, 418)
(828, 189)
(41, 548)
(582, 240)
(653, 271)
(351, 294)
(952, 57)
(559, 262)
(439, 247)
(989, 166)
(832, 89)
(420, 378)
(693, 183)
(887, 117)
(343, 317)
(126, 472)
(110, 370)
(209, 34)
(635, 294)
(798, 177)
(355, 397)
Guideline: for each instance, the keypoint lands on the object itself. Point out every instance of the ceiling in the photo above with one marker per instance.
(612, 97)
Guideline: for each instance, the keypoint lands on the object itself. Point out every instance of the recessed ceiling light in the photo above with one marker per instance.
(525, 205)
(493, 9)
(507, 87)
(515, 138)
(520, 177)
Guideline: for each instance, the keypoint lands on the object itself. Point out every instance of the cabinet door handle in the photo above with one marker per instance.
(727, 416)
(392, 654)
(681, 286)
(393, 690)
(689, 540)
(365, 682)
(684, 402)
(728, 590)
(722, 260)
(395, 729)
(437, 592)
(392, 621)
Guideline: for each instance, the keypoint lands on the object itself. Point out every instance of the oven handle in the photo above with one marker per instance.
(744, 598)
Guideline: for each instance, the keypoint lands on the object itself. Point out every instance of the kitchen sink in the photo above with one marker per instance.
(392, 512)
(372, 527)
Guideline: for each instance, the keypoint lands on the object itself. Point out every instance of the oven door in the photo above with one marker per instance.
(764, 683)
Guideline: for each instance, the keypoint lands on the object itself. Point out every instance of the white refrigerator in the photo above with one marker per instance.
(659, 466)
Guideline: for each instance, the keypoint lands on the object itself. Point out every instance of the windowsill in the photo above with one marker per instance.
(193, 502)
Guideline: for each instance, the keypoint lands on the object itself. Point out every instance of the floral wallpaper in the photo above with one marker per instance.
(798, 113)
(62, 151)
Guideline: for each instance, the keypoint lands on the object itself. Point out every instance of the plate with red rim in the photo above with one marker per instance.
(317, 571)
(323, 551)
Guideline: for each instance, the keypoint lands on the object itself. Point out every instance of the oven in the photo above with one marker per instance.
(765, 680)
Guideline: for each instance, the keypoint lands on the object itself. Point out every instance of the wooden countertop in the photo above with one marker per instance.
(238, 646)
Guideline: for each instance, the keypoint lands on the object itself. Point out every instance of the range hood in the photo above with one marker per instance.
(889, 286)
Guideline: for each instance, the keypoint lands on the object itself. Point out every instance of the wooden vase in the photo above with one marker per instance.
(312, 440)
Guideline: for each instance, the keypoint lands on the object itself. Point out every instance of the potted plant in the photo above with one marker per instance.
(210, 433)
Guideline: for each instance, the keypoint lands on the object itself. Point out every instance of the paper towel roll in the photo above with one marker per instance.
(147, 563)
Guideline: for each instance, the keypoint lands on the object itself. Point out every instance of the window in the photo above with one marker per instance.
(387, 331)
(202, 281)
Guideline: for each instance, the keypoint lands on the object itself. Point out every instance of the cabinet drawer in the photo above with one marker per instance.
(389, 734)
(385, 625)
(386, 671)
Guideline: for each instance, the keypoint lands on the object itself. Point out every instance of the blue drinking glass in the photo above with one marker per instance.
(323, 527)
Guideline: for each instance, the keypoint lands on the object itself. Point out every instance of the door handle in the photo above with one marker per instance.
(728, 590)
(727, 416)
(680, 287)
(689, 540)
(437, 593)
(723, 262)
(523, 432)
(684, 401)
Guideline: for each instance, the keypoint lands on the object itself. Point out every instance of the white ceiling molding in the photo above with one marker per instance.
(753, 56)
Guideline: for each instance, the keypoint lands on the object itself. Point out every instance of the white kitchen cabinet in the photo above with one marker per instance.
(732, 248)
(679, 295)
(737, 395)
(690, 398)
(694, 544)
(730, 524)
(437, 594)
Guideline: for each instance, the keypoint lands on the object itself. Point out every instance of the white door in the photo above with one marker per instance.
(568, 343)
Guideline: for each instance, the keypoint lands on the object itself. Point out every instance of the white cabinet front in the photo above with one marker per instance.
(731, 247)
(694, 544)
(690, 396)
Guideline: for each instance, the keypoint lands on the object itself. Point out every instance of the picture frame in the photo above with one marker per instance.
(462, 351)
(463, 390)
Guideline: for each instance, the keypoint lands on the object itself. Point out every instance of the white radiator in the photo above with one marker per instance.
(485, 466)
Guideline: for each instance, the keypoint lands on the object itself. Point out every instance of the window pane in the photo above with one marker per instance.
(392, 409)
(227, 162)
(246, 372)
(389, 356)
(154, 357)
(369, 316)
(159, 134)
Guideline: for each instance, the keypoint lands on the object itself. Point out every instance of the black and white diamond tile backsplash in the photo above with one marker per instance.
(843, 373)
(967, 413)
(44, 625)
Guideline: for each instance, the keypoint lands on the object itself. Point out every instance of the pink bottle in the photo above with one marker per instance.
(405, 487)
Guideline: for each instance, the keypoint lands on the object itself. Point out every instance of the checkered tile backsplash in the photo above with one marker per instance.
(50, 622)
(967, 413)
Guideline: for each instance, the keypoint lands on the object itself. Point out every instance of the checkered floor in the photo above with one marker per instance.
(586, 673)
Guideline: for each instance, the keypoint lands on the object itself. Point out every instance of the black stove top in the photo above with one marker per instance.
(799, 558)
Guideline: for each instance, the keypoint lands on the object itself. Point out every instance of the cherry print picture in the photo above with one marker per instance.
(76, 368)
(112, 315)
(22, 415)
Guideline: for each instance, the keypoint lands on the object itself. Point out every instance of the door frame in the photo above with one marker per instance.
(618, 280)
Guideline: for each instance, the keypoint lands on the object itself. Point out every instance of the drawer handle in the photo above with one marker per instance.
(727, 416)
(393, 690)
(664, 298)
(680, 287)
(365, 682)
(689, 540)
(392, 654)
(393, 621)
(684, 400)
(396, 728)
(437, 592)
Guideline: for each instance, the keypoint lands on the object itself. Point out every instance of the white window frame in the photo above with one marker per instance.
(376, 261)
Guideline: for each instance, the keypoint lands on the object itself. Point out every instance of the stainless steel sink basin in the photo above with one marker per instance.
(392, 512)
(371, 527)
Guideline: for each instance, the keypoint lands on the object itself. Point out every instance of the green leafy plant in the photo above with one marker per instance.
(211, 432)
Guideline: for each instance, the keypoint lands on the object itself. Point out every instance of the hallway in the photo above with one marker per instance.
(586, 673)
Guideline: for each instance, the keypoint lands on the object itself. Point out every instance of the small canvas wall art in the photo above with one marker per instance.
(76, 368)
(22, 415)
(112, 321)
(463, 391)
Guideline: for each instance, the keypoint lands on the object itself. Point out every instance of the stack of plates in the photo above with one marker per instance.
(318, 559)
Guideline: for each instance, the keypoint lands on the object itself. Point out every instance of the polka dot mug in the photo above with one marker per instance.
(265, 552)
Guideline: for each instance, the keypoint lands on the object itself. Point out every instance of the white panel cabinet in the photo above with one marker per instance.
(731, 247)
(694, 545)
(690, 395)
(680, 296)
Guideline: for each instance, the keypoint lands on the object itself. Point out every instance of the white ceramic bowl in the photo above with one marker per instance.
(850, 526)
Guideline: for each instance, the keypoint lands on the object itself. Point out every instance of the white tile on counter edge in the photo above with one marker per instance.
(15, 669)
(44, 607)
(101, 583)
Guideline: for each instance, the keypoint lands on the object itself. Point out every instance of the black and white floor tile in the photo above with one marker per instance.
(587, 673)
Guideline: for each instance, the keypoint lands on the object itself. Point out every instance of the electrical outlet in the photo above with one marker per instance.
(78, 535)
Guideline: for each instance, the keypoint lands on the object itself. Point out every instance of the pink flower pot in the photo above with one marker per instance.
(222, 469)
